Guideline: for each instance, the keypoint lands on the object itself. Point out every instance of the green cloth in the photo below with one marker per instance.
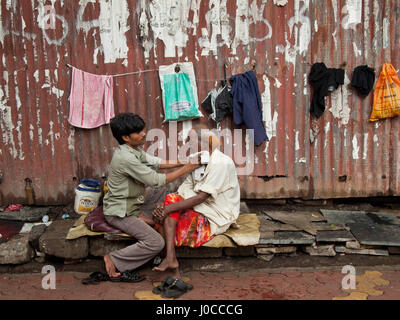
(130, 171)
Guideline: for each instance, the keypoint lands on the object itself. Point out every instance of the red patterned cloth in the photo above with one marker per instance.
(192, 228)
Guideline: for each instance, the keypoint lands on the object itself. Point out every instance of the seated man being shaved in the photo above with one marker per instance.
(205, 205)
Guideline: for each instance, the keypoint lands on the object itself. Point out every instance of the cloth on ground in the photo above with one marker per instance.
(247, 107)
(245, 232)
(363, 79)
(9, 229)
(91, 100)
(323, 81)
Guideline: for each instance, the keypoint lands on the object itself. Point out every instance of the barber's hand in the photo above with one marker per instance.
(194, 163)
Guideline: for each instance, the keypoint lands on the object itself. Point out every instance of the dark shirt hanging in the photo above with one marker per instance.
(323, 80)
(363, 79)
(247, 106)
(223, 104)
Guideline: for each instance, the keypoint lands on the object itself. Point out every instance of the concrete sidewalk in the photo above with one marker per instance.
(371, 284)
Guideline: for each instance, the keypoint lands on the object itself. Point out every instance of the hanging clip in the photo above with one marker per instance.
(224, 82)
(253, 63)
(177, 68)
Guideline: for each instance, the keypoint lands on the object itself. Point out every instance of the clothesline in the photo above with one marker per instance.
(142, 71)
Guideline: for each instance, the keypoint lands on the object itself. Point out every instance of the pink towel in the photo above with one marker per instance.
(91, 100)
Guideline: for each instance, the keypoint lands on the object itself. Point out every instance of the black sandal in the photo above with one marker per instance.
(128, 276)
(96, 278)
(164, 285)
(176, 289)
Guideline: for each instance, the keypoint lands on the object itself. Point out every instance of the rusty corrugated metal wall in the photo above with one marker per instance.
(341, 154)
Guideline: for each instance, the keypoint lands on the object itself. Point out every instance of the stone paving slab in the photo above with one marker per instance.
(288, 237)
(380, 229)
(334, 236)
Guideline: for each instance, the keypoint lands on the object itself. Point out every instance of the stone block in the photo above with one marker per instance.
(17, 250)
(53, 242)
(353, 245)
(324, 251)
(202, 252)
(266, 257)
(99, 247)
(35, 234)
(276, 250)
(247, 251)
(371, 252)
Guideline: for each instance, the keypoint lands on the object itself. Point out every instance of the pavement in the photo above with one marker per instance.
(285, 283)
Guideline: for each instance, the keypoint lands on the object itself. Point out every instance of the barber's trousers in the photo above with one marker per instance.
(149, 243)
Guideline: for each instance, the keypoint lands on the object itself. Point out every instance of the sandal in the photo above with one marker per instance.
(128, 276)
(164, 285)
(176, 289)
(96, 278)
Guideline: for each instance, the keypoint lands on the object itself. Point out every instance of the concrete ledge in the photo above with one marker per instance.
(53, 242)
(202, 252)
(16, 250)
(248, 251)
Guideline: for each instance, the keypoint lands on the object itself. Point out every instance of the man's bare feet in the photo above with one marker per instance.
(110, 267)
(167, 264)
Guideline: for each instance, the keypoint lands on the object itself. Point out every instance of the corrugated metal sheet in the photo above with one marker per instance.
(349, 157)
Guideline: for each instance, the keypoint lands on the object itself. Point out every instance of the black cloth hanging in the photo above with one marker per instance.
(323, 80)
(363, 79)
(223, 103)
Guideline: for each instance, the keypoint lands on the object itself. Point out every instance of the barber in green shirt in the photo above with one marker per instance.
(130, 171)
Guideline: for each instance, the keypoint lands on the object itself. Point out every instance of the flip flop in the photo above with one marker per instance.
(164, 285)
(96, 278)
(176, 289)
(128, 276)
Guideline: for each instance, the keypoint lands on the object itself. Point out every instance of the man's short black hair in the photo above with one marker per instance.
(124, 124)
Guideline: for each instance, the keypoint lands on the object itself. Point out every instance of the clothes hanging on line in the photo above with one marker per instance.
(247, 106)
(363, 79)
(91, 100)
(219, 103)
(323, 80)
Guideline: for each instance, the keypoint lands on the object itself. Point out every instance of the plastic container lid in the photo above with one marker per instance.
(90, 182)
(88, 189)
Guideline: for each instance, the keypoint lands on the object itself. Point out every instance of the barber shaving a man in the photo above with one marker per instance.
(206, 204)
(130, 171)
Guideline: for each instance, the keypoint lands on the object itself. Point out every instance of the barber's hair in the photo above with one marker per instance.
(124, 124)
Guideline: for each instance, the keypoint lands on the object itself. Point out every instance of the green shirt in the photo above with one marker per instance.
(130, 171)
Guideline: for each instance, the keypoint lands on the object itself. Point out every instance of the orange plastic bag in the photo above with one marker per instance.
(386, 94)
